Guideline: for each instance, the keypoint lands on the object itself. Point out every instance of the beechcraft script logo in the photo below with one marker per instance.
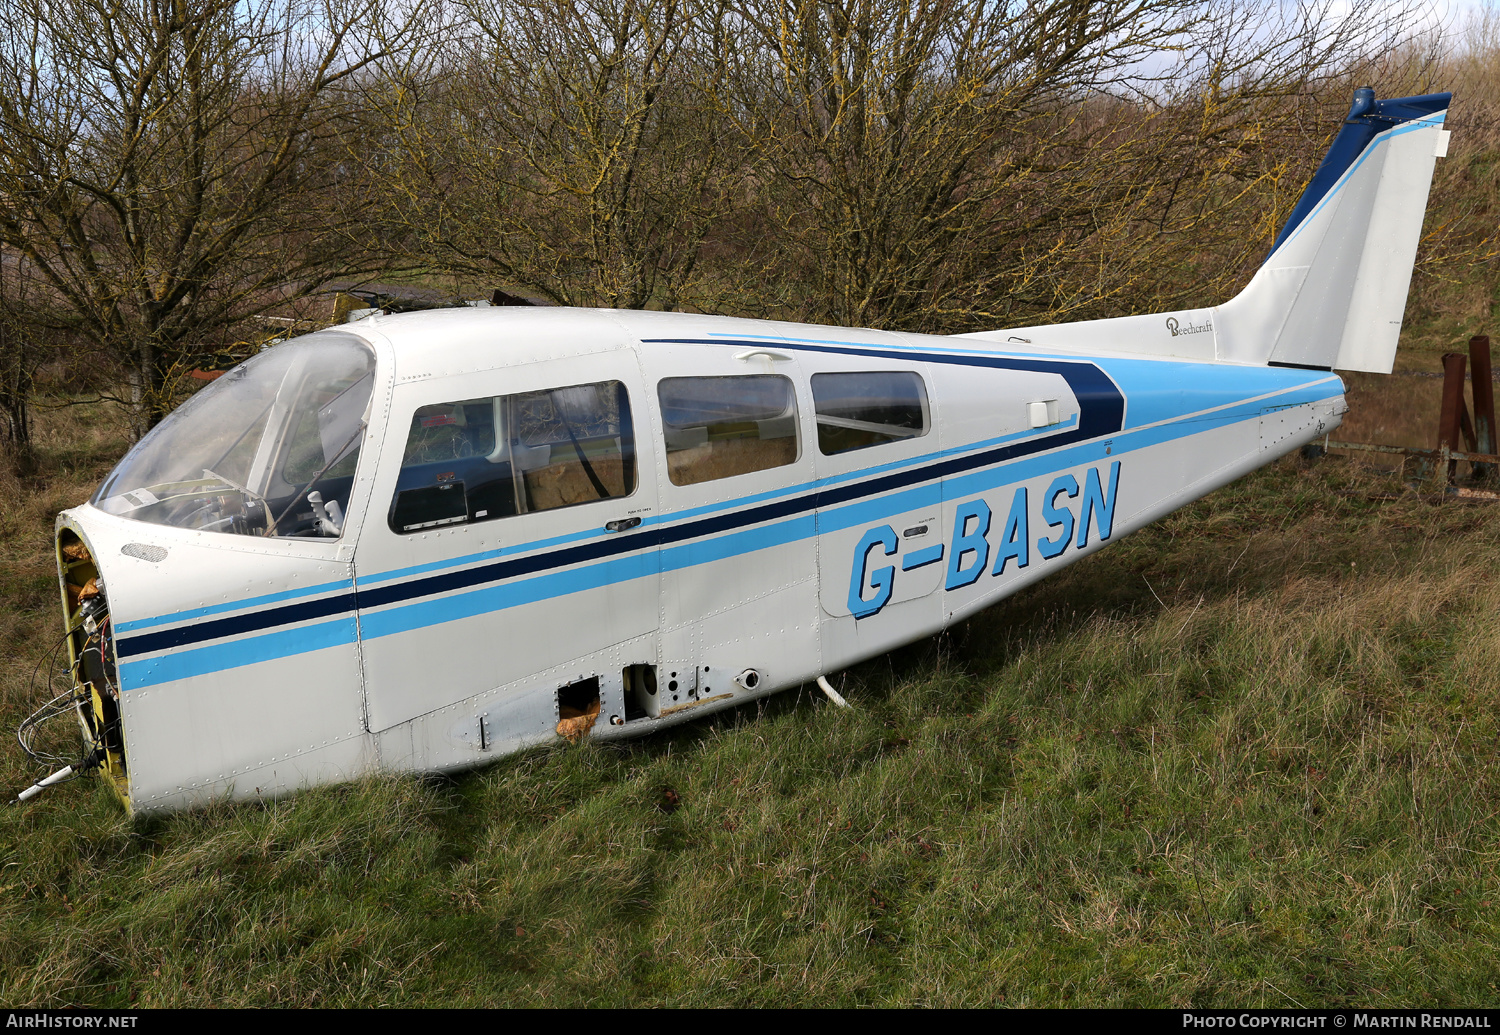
(1189, 328)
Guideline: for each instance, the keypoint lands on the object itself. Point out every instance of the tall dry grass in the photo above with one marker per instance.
(1243, 757)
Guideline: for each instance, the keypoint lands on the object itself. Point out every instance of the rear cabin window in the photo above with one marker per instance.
(482, 459)
(718, 427)
(859, 410)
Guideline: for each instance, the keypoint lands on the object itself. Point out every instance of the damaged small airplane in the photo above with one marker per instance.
(420, 542)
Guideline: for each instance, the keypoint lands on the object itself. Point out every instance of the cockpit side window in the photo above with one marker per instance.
(718, 427)
(482, 459)
(868, 408)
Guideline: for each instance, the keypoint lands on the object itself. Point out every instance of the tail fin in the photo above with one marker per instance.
(1333, 290)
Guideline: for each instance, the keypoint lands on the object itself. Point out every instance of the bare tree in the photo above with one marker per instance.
(565, 147)
(20, 356)
(172, 167)
(931, 163)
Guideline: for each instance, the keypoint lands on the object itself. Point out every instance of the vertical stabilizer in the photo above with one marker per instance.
(1332, 293)
(1333, 290)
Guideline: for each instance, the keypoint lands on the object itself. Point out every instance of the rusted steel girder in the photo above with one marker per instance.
(1450, 418)
(1455, 429)
(1484, 401)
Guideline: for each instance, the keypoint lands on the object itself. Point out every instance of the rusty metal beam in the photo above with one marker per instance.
(1484, 402)
(1454, 426)
(1453, 401)
(1425, 454)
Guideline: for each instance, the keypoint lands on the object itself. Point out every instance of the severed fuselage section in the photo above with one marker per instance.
(268, 450)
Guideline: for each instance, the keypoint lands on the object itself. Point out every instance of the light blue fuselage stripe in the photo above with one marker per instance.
(1139, 381)
(439, 610)
(423, 614)
(679, 516)
(202, 661)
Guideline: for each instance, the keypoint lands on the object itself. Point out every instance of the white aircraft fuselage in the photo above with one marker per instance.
(422, 542)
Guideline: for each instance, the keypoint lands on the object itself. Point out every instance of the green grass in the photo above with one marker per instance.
(1244, 757)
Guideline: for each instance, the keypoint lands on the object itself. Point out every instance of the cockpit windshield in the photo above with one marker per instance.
(268, 449)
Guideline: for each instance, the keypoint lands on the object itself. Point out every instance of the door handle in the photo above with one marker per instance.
(774, 357)
(622, 525)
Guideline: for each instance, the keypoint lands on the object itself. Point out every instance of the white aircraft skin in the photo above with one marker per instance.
(479, 580)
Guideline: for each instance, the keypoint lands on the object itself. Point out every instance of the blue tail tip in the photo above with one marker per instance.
(1366, 110)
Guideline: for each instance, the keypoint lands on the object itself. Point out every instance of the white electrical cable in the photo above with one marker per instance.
(37, 788)
(833, 695)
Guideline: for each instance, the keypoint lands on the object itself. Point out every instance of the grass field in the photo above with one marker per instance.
(1244, 757)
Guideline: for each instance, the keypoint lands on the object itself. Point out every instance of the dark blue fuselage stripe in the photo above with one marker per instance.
(1101, 405)
(1101, 412)
(146, 643)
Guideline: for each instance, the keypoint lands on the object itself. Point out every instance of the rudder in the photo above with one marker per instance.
(1332, 293)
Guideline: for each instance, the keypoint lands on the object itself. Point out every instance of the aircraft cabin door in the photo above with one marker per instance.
(880, 534)
(508, 552)
(739, 558)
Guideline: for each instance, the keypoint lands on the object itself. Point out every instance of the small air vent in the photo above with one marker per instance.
(143, 552)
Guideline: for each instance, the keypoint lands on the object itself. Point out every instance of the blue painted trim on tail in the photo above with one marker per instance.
(1367, 119)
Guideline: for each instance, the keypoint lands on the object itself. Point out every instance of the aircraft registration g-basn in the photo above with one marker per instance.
(419, 542)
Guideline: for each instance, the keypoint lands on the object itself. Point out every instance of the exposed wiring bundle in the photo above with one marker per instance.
(74, 701)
